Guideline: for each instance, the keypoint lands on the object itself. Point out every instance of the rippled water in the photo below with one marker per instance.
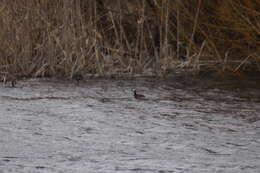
(98, 126)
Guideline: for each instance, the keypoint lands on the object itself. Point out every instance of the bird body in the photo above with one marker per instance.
(8, 78)
(78, 78)
(138, 96)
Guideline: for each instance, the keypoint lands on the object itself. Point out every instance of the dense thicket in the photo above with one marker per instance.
(70, 37)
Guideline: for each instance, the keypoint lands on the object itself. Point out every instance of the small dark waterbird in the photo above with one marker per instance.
(77, 78)
(9, 78)
(138, 96)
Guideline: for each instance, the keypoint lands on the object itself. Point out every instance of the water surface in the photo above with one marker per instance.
(98, 126)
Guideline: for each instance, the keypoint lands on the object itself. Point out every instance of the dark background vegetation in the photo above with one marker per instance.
(76, 37)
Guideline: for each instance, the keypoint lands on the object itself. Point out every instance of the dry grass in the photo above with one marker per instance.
(105, 37)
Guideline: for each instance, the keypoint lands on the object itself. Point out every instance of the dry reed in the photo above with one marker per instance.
(106, 37)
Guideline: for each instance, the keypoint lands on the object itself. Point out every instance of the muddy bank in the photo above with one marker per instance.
(184, 125)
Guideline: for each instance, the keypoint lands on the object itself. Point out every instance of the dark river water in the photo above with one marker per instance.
(190, 127)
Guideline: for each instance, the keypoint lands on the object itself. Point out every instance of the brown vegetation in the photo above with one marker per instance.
(76, 37)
